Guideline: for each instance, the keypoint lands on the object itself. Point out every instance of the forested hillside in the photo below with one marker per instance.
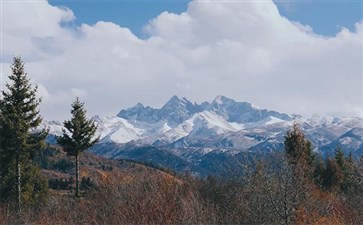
(124, 192)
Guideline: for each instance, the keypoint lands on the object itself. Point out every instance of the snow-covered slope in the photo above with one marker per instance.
(349, 142)
(203, 124)
(221, 124)
(115, 129)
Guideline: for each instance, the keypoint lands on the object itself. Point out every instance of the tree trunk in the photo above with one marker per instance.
(18, 183)
(77, 175)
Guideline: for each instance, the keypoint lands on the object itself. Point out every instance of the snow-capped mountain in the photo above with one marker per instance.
(242, 112)
(174, 112)
(191, 131)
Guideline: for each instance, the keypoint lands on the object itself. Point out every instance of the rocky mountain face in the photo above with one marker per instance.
(175, 111)
(188, 136)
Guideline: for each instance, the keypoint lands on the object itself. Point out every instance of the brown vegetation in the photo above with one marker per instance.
(269, 193)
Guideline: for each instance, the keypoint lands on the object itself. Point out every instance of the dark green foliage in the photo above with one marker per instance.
(34, 187)
(351, 184)
(78, 135)
(342, 174)
(300, 157)
(319, 171)
(297, 148)
(50, 151)
(87, 183)
(63, 165)
(60, 183)
(19, 143)
(42, 159)
(333, 175)
(360, 169)
(339, 157)
(105, 167)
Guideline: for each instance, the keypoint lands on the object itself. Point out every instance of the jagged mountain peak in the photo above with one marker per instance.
(223, 100)
(225, 103)
(242, 112)
(176, 101)
(179, 99)
(139, 113)
(220, 99)
(177, 109)
(138, 106)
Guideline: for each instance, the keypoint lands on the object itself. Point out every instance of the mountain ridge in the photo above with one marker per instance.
(190, 130)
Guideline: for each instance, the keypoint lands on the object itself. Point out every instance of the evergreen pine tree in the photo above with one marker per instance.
(333, 175)
(339, 157)
(78, 135)
(351, 173)
(359, 177)
(19, 142)
(319, 171)
(298, 150)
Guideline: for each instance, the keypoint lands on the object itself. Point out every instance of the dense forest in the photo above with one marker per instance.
(65, 184)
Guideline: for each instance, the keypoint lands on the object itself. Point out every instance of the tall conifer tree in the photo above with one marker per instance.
(19, 116)
(297, 148)
(339, 157)
(78, 136)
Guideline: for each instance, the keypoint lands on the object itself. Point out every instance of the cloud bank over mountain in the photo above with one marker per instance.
(245, 50)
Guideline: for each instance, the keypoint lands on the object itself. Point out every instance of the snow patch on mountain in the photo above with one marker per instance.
(115, 129)
(212, 120)
(207, 122)
(320, 120)
(165, 128)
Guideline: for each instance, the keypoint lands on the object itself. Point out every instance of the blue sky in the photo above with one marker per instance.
(325, 17)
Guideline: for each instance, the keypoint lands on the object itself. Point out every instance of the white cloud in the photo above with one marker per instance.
(244, 50)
